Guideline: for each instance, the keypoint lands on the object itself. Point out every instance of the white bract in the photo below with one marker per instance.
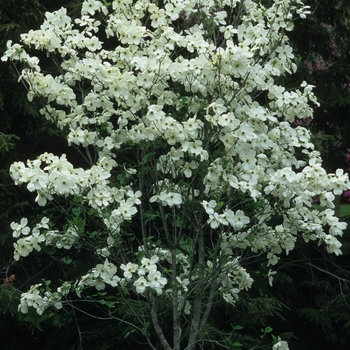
(191, 147)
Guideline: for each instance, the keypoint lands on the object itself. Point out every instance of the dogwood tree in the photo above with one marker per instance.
(194, 165)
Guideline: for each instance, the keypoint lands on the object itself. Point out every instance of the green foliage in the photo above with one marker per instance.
(329, 309)
(16, 15)
(322, 44)
(252, 322)
(7, 142)
(8, 300)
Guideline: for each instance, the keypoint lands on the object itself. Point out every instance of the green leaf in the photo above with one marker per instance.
(76, 211)
(268, 329)
(145, 328)
(185, 244)
(238, 327)
(140, 255)
(66, 260)
(219, 206)
(127, 334)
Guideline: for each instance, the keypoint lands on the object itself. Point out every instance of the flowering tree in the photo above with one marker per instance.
(194, 165)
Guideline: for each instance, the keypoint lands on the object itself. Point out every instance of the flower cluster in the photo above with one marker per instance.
(25, 245)
(33, 298)
(50, 175)
(234, 278)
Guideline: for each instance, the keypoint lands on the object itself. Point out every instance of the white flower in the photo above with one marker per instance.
(20, 228)
(21, 248)
(126, 209)
(333, 245)
(90, 6)
(183, 282)
(99, 285)
(209, 206)
(156, 281)
(239, 220)
(129, 269)
(150, 264)
(280, 345)
(141, 283)
(168, 198)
